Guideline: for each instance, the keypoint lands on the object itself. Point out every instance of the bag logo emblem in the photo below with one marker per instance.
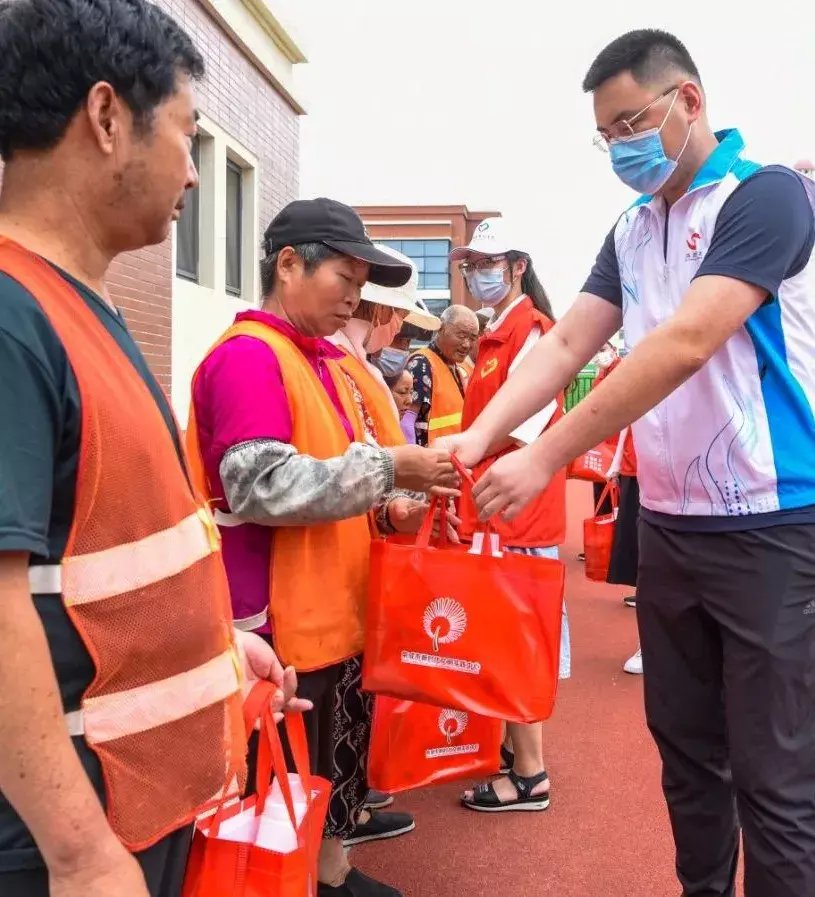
(452, 723)
(444, 621)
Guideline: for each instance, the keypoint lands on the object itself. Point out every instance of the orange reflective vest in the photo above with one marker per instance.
(143, 582)
(446, 402)
(318, 581)
(377, 404)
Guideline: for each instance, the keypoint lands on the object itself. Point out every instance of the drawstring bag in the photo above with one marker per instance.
(414, 745)
(477, 631)
(598, 536)
(268, 844)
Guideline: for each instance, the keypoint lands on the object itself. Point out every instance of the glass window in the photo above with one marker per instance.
(234, 237)
(437, 248)
(186, 257)
(434, 282)
(436, 264)
(431, 259)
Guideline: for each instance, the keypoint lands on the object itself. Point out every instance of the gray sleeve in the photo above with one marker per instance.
(271, 483)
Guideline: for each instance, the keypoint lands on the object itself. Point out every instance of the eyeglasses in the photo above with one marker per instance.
(623, 129)
(485, 264)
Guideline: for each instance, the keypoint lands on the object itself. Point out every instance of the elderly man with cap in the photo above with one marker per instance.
(281, 449)
(439, 375)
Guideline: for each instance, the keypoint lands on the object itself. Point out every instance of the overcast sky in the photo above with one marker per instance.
(478, 102)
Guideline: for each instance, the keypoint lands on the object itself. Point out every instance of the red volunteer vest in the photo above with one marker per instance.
(543, 522)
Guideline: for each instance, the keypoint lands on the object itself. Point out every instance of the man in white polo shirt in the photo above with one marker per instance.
(711, 274)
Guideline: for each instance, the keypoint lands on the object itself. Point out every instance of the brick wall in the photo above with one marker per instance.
(237, 97)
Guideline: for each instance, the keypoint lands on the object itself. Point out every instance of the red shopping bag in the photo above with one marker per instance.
(220, 867)
(598, 536)
(592, 465)
(413, 745)
(473, 632)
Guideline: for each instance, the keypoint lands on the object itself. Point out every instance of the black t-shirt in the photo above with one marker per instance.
(39, 451)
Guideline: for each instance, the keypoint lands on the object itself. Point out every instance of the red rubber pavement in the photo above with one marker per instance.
(606, 833)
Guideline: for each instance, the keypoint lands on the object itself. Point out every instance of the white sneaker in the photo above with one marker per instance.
(634, 664)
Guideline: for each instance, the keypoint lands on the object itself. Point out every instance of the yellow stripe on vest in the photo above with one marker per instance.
(449, 420)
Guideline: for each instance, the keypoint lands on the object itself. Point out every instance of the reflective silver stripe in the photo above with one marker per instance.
(125, 568)
(223, 519)
(75, 721)
(45, 580)
(250, 624)
(107, 717)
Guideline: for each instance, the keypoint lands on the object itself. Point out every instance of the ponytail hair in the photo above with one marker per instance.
(531, 285)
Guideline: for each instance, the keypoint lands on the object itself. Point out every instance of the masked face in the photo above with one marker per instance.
(382, 334)
(640, 161)
(392, 361)
(488, 286)
(605, 358)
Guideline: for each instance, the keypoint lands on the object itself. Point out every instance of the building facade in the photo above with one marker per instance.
(178, 296)
(427, 234)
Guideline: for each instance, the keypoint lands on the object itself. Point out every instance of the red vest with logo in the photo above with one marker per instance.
(542, 523)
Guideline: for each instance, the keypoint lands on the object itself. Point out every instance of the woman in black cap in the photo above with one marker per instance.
(281, 449)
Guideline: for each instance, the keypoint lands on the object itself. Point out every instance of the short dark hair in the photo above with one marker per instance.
(312, 254)
(53, 51)
(648, 54)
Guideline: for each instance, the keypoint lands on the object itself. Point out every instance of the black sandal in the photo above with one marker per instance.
(485, 800)
(507, 761)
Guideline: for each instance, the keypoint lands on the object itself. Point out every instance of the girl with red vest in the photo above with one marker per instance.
(501, 276)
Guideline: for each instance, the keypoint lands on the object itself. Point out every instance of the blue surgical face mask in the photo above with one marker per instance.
(392, 361)
(488, 286)
(640, 162)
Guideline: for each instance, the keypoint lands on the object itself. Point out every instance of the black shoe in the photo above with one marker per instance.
(581, 556)
(377, 800)
(630, 601)
(357, 885)
(380, 827)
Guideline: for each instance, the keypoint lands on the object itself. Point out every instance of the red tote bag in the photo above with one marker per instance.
(414, 745)
(472, 632)
(226, 858)
(598, 536)
(592, 465)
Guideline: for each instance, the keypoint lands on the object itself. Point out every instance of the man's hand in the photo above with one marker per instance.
(260, 662)
(469, 447)
(407, 515)
(511, 482)
(107, 871)
(420, 469)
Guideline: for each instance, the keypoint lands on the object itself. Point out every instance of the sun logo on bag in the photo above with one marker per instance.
(452, 723)
(444, 621)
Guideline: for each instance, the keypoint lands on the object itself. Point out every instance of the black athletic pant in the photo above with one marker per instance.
(727, 625)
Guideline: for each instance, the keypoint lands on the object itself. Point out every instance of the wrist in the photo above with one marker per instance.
(84, 844)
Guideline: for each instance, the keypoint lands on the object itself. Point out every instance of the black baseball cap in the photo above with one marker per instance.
(339, 227)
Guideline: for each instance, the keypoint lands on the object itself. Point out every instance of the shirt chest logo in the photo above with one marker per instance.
(489, 367)
(694, 253)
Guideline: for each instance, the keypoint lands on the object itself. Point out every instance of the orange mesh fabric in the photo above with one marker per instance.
(131, 485)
